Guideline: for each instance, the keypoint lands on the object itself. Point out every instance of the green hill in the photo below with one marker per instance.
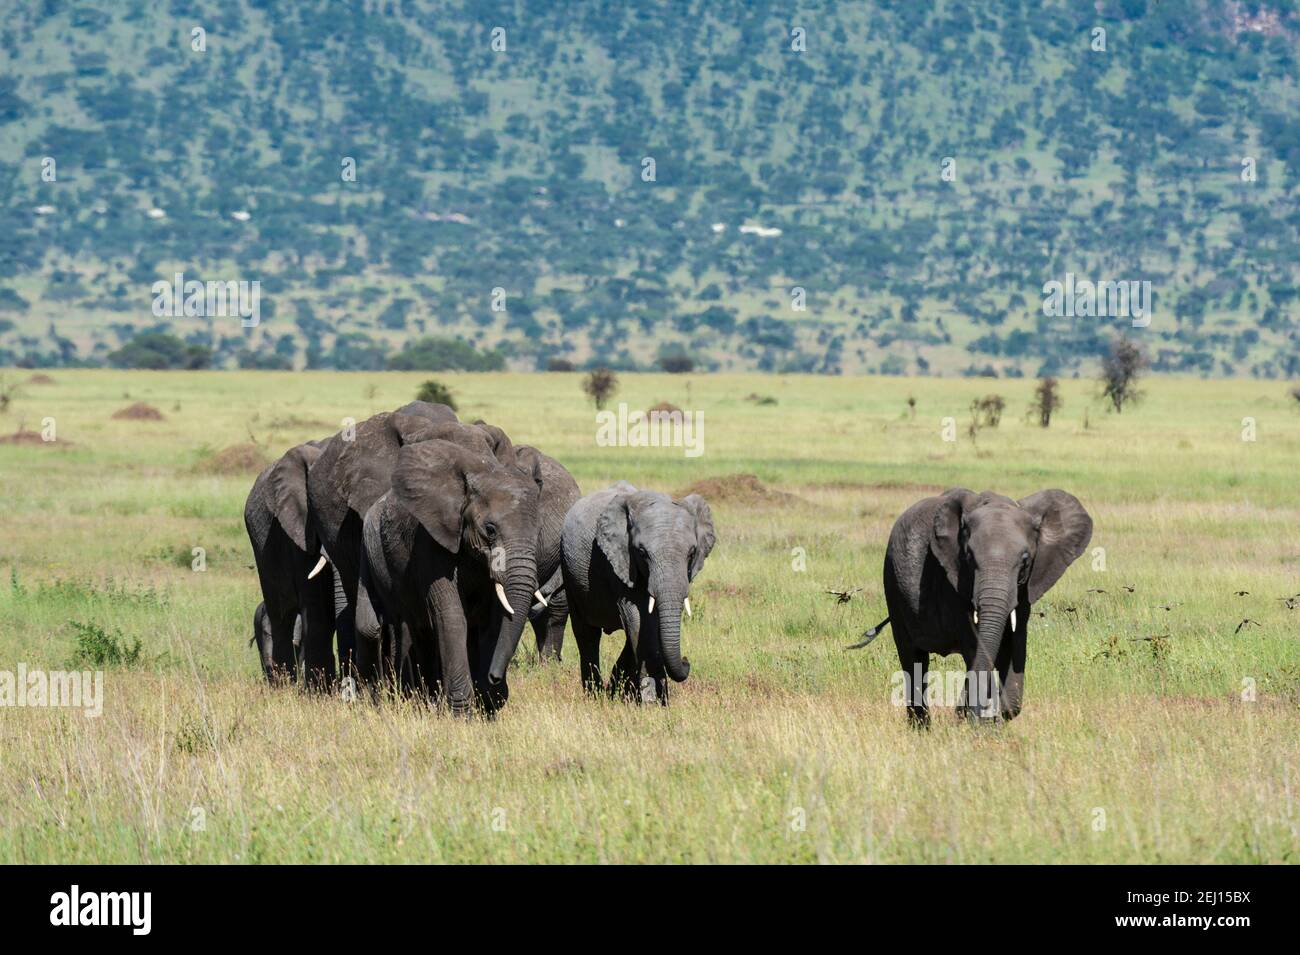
(502, 191)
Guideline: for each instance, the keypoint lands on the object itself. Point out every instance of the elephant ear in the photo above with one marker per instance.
(529, 461)
(499, 440)
(704, 536)
(430, 481)
(1064, 531)
(612, 534)
(945, 531)
(288, 481)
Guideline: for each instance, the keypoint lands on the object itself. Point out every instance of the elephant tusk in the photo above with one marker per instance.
(686, 605)
(651, 607)
(501, 596)
(1013, 621)
(320, 565)
(977, 618)
(540, 598)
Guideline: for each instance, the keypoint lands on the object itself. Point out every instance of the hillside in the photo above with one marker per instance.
(783, 158)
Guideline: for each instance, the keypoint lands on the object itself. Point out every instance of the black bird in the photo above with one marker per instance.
(1129, 588)
(1291, 602)
(1165, 606)
(1243, 623)
(1242, 593)
(844, 596)
(1096, 590)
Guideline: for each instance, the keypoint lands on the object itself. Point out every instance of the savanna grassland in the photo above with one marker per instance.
(1183, 748)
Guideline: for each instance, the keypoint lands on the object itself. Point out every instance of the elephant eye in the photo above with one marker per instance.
(1024, 558)
(490, 529)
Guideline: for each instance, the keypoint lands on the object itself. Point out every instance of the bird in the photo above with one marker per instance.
(1242, 593)
(1243, 623)
(1095, 590)
(1129, 587)
(1291, 602)
(1165, 606)
(844, 596)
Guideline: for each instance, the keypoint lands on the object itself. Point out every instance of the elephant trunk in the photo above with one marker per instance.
(994, 603)
(668, 613)
(519, 584)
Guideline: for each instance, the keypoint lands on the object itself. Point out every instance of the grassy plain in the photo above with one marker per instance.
(780, 748)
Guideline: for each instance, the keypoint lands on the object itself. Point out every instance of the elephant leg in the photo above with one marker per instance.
(277, 647)
(588, 639)
(345, 620)
(914, 663)
(549, 627)
(449, 623)
(625, 678)
(1011, 669)
(369, 635)
(317, 650)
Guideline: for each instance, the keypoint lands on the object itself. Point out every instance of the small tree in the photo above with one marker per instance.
(559, 364)
(437, 393)
(1047, 399)
(1120, 370)
(676, 363)
(600, 386)
(987, 411)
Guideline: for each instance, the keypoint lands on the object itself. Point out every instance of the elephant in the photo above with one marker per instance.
(264, 640)
(628, 559)
(450, 557)
(962, 571)
(353, 471)
(275, 516)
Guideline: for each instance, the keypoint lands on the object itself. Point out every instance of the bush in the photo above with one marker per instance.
(1120, 370)
(676, 363)
(987, 411)
(559, 364)
(99, 648)
(160, 351)
(444, 354)
(600, 386)
(1047, 399)
(437, 393)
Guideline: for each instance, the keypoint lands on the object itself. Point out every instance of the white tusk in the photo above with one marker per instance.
(501, 596)
(977, 617)
(540, 598)
(320, 565)
(1013, 621)
(686, 605)
(651, 608)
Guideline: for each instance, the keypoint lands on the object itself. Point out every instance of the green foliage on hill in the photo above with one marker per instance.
(502, 197)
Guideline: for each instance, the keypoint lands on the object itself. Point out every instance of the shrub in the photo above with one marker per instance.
(600, 386)
(99, 648)
(444, 354)
(1120, 370)
(437, 393)
(160, 351)
(1047, 399)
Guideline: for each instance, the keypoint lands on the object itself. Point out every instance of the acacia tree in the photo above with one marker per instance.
(1047, 399)
(600, 386)
(1120, 369)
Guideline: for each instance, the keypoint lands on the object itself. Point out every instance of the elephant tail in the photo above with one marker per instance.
(869, 635)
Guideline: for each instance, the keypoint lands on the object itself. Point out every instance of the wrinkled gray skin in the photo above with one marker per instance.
(457, 521)
(352, 472)
(275, 516)
(619, 547)
(959, 555)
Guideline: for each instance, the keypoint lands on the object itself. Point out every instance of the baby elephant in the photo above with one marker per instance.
(628, 558)
(961, 573)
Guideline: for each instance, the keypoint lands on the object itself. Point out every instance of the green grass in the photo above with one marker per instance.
(776, 724)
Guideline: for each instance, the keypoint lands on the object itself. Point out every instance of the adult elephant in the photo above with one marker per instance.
(451, 553)
(353, 471)
(962, 571)
(628, 559)
(275, 516)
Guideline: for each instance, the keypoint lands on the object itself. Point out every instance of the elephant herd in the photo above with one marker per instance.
(423, 546)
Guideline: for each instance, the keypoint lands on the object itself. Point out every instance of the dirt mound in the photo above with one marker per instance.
(662, 406)
(237, 459)
(138, 412)
(40, 378)
(737, 488)
(23, 436)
